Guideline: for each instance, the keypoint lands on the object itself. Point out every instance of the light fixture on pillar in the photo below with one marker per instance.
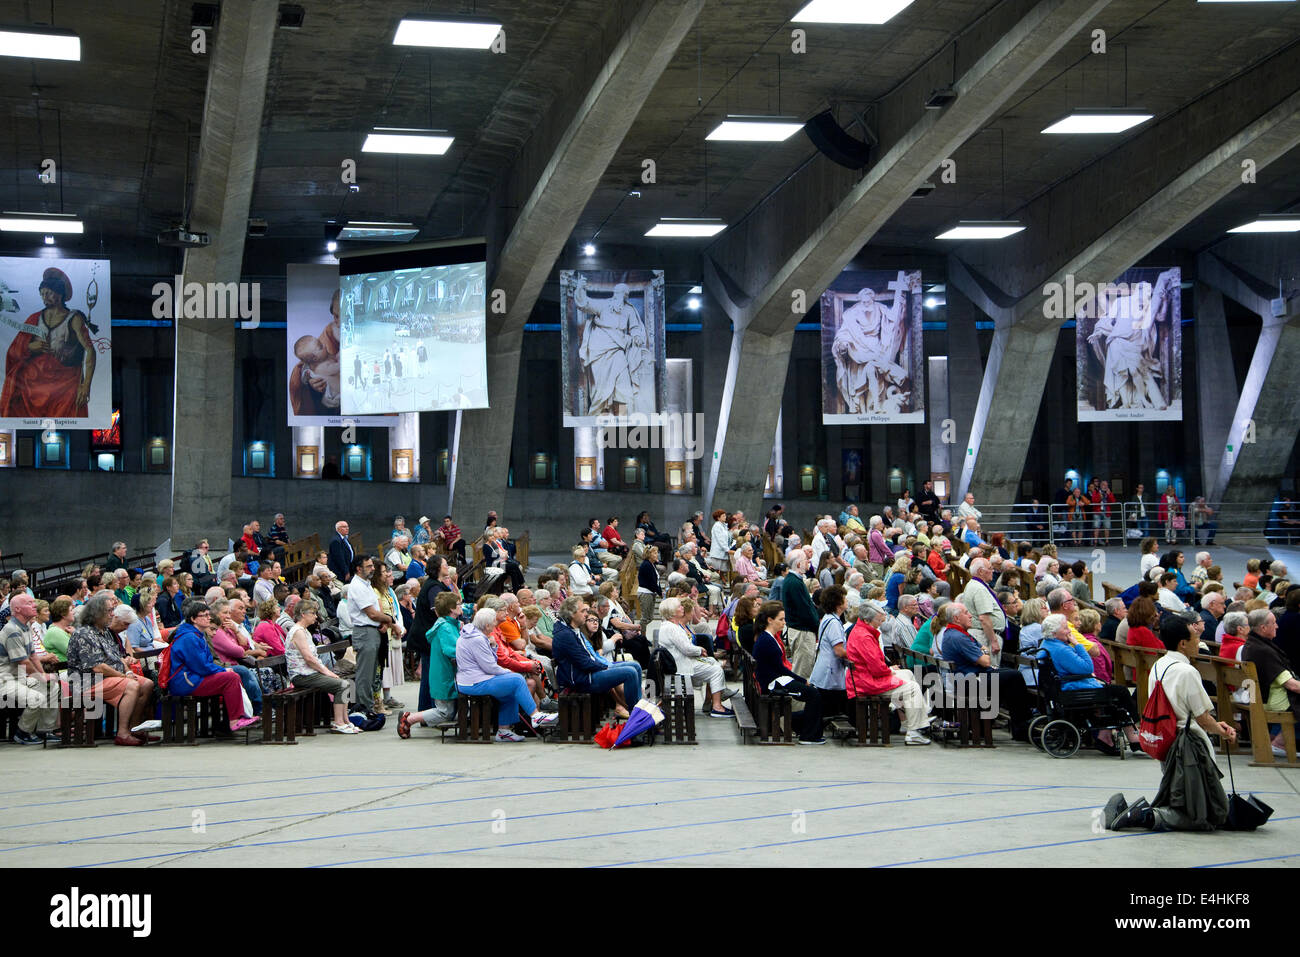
(850, 11)
(1271, 223)
(693, 303)
(40, 43)
(49, 239)
(589, 249)
(686, 228)
(459, 33)
(756, 129)
(413, 142)
(372, 232)
(11, 222)
(982, 229)
(1098, 121)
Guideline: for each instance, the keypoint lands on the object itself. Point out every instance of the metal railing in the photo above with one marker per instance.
(1275, 523)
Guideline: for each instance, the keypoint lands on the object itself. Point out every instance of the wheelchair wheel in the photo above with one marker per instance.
(1036, 730)
(1061, 739)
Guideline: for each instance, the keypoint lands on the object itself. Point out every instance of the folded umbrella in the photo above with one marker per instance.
(645, 715)
(1244, 813)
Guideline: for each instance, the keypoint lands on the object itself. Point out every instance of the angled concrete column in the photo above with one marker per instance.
(1014, 48)
(1098, 223)
(203, 434)
(1216, 384)
(555, 202)
(1266, 420)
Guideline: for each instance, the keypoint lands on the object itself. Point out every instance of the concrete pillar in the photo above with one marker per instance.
(554, 203)
(1216, 384)
(965, 369)
(311, 437)
(203, 436)
(941, 451)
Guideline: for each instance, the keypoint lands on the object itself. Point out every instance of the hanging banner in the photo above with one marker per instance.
(872, 354)
(1129, 346)
(57, 345)
(312, 339)
(612, 340)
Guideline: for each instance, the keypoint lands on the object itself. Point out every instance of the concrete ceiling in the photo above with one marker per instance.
(119, 118)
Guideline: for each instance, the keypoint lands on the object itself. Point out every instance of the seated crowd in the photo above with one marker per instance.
(844, 614)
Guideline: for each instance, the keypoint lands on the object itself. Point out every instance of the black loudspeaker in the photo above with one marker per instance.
(829, 138)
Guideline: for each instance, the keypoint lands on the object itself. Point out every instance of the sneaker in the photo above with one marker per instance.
(1137, 814)
(24, 737)
(549, 705)
(721, 713)
(507, 735)
(241, 723)
(915, 737)
(545, 720)
(814, 741)
(348, 728)
(393, 703)
(1279, 752)
(151, 725)
(54, 737)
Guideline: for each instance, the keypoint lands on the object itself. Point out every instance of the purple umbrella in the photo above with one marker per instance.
(645, 715)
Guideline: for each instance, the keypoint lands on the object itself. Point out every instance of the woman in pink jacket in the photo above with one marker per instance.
(870, 674)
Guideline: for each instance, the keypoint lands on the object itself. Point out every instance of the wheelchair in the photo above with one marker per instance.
(1065, 717)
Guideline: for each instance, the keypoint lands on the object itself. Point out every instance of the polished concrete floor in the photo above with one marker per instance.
(378, 801)
(375, 800)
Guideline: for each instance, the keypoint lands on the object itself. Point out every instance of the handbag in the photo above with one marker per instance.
(1180, 522)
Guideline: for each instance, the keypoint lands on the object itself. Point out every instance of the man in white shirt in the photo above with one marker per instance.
(827, 541)
(967, 508)
(1167, 597)
(899, 630)
(365, 617)
(984, 608)
(1188, 784)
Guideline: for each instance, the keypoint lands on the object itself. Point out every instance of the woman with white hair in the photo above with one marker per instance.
(95, 654)
(691, 659)
(747, 570)
(579, 573)
(478, 673)
(1048, 571)
(870, 675)
(1074, 666)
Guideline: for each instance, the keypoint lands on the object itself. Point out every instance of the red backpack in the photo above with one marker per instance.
(165, 667)
(1159, 726)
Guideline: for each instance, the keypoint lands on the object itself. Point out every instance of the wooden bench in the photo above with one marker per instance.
(678, 703)
(772, 716)
(960, 719)
(1109, 591)
(286, 713)
(1226, 674)
(186, 718)
(579, 715)
(476, 719)
(871, 721)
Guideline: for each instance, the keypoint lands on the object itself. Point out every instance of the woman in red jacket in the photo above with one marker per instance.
(1143, 619)
(870, 674)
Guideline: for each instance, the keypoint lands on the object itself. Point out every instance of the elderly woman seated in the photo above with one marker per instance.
(478, 673)
(1074, 666)
(306, 670)
(748, 571)
(691, 659)
(95, 655)
(870, 674)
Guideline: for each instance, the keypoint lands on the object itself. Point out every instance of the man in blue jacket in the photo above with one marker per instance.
(577, 665)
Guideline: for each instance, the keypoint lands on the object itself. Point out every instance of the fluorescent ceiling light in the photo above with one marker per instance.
(40, 223)
(378, 232)
(455, 33)
(695, 290)
(682, 228)
(982, 229)
(850, 11)
(420, 142)
(40, 43)
(756, 129)
(1272, 223)
(1245, 1)
(1098, 121)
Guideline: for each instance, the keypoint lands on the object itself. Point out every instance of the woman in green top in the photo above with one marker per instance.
(442, 666)
(60, 627)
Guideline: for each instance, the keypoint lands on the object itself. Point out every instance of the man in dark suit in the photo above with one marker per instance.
(340, 553)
